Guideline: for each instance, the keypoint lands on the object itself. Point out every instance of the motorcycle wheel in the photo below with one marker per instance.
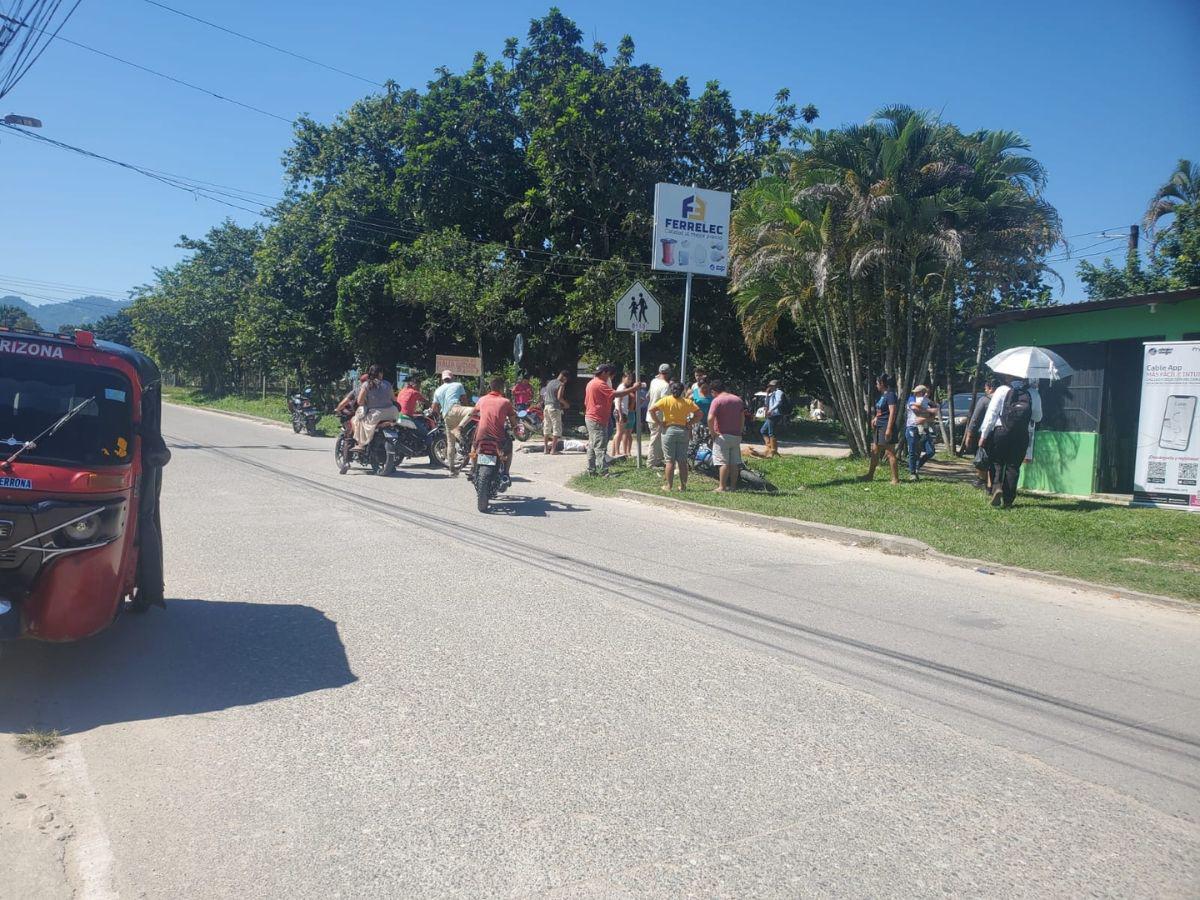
(390, 463)
(754, 481)
(296, 426)
(339, 453)
(522, 432)
(483, 487)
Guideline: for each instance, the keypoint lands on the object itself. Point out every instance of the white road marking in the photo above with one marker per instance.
(89, 855)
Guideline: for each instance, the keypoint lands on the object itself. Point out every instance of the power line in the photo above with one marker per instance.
(28, 52)
(261, 43)
(546, 258)
(164, 75)
(57, 286)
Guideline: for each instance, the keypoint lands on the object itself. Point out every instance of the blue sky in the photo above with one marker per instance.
(1108, 93)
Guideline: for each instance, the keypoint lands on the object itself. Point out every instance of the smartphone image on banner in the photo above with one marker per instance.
(1178, 418)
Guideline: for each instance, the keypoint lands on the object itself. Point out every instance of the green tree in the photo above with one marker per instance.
(15, 317)
(875, 241)
(185, 319)
(1173, 261)
(117, 328)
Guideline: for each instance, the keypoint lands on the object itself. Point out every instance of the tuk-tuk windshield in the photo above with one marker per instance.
(34, 394)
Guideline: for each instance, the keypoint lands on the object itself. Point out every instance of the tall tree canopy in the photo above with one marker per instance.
(530, 175)
(876, 240)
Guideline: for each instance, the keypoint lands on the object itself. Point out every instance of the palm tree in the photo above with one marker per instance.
(1183, 187)
(877, 240)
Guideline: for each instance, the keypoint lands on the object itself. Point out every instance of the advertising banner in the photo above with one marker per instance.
(691, 230)
(1168, 447)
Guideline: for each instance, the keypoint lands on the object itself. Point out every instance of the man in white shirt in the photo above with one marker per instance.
(658, 389)
(1007, 450)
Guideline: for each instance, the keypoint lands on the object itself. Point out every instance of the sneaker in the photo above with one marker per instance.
(913, 476)
(997, 499)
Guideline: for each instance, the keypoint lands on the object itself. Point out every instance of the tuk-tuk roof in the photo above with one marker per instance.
(144, 365)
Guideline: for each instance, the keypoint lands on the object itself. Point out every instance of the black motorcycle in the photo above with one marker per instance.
(380, 457)
(489, 468)
(305, 414)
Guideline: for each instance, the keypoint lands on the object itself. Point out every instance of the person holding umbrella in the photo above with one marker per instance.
(1013, 413)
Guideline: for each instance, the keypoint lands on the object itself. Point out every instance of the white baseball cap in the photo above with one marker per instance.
(447, 375)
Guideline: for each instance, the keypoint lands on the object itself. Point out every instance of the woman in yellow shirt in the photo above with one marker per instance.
(675, 413)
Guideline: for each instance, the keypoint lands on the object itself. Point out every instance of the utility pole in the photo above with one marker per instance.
(1133, 238)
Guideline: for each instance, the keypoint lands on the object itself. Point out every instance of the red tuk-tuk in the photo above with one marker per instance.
(81, 458)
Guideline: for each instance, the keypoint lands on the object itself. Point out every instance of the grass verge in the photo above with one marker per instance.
(35, 741)
(1152, 550)
(272, 408)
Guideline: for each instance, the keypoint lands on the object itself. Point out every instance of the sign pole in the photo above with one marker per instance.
(637, 379)
(687, 319)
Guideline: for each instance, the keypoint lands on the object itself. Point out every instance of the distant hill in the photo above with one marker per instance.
(52, 316)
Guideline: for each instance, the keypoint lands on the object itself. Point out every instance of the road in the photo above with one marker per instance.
(363, 688)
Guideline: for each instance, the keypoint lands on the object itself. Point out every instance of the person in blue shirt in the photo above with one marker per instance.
(772, 420)
(885, 428)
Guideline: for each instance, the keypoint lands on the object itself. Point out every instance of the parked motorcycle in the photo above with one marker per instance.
(489, 469)
(305, 414)
(701, 460)
(529, 422)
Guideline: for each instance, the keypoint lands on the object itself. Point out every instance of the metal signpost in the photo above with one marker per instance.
(639, 312)
(691, 234)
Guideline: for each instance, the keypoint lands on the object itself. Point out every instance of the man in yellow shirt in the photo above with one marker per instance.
(674, 415)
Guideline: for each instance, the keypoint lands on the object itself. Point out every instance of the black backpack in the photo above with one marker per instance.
(1013, 424)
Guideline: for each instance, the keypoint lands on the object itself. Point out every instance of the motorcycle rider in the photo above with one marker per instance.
(495, 411)
(444, 398)
(376, 403)
(349, 404)
(458, 415)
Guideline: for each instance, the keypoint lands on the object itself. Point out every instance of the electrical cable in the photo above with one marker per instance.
(261, 43)
(164, 75)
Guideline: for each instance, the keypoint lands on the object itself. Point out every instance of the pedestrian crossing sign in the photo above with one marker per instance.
(637, 310)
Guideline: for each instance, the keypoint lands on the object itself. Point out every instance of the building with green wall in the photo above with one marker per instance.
(1087, 440)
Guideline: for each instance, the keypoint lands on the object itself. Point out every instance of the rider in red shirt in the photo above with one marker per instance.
(409, 399)
(494, 410)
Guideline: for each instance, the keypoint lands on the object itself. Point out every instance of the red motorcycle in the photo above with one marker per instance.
(529, 422)
(81, 459)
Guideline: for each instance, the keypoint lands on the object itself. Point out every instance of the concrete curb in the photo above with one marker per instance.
(898, 546)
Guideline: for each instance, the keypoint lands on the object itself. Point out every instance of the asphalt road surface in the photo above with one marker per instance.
(364, 688)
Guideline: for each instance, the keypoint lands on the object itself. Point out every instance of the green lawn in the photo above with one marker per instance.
(1142, 549)
(271, 408)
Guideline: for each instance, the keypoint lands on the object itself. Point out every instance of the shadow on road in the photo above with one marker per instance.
(195, 656)
(180, 446)
(538, 507)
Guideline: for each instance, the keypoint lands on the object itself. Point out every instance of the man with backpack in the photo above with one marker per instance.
(1006, 435)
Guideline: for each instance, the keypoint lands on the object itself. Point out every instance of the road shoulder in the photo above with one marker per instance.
(33, 834)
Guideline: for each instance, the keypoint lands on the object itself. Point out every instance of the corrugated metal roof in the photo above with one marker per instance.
(1087, 306)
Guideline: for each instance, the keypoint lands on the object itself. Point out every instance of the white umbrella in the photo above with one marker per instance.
(1031, 363)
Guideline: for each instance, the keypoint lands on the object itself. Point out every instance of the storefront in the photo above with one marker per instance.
(1087, 441)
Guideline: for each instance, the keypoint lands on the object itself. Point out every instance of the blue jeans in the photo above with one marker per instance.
(920, 448)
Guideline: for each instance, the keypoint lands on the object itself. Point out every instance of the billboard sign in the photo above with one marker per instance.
(1168, 445)
(691, 230)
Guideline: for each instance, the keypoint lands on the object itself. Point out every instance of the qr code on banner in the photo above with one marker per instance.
(1157, 473)
(1187, 473)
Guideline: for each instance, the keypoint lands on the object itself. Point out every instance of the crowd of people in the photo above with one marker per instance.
(1000, 431)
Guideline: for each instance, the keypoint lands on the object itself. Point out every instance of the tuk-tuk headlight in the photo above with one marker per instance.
(97, 527)
(83, 531)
